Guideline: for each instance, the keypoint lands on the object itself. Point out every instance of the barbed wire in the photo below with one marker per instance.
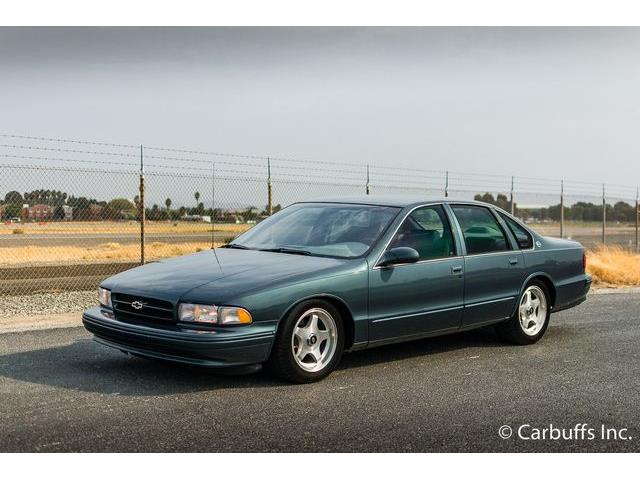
(382, 173)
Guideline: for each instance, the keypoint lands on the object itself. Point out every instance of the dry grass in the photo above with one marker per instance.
(613, 266)
(609, 266)
(32, 255)
(81, 228)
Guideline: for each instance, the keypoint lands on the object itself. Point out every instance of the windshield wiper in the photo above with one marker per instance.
(236, 245)
(293, 251)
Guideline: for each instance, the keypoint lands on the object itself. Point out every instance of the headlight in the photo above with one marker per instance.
(104, 297)
(211, 314)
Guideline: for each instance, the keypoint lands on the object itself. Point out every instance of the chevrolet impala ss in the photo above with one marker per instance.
(320, 278)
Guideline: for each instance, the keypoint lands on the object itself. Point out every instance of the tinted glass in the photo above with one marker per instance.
(522, 236)
(481, 230)
(337, 230)
(427, 231)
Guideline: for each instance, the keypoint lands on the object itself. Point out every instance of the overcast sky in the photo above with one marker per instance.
(542, 102)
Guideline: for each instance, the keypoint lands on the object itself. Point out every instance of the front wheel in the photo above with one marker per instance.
(309, 342)
(531, 319)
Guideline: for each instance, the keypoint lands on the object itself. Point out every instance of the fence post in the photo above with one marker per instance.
(511, 199)
(368, 188)
(604, 217)
(562, 208)
(446, 183)
(637, 219)
(213, 205)
(269, 188)
(142, 212)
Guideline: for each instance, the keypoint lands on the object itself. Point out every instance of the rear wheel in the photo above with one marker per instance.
(531, 318)
(309, 342)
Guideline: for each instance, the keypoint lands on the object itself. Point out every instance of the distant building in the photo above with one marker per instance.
(37, 212)
(68, 212)
(196, 218)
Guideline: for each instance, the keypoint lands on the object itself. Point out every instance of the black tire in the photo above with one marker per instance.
(512, 330)
(282, 362)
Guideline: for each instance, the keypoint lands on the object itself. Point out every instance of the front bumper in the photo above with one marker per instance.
(220, 347)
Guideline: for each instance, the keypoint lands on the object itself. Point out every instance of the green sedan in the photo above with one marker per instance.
(321, 278)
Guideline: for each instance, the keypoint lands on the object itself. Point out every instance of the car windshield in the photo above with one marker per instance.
(336, 230)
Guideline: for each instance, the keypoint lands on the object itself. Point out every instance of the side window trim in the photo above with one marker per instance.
(443, 220)
(502, 215)
(505, 230)
(458, 246)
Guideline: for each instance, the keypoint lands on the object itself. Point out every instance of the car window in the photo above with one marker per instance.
(481, 231)
(427, 231)
(523, 237)
(337, 230)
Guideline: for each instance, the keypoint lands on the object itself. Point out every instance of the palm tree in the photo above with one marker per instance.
(167, 202)
(197, 195)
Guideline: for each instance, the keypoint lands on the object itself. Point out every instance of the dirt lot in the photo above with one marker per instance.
(590, 234)
(61, 256)
(82, 242)
(87, 242)
(117, 228)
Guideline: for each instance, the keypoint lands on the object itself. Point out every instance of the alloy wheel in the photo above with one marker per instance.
(314, 340)
(532, 310)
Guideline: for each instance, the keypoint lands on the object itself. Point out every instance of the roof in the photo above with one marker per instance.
(390, 200)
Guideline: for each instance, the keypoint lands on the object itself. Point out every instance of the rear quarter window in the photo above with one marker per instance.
(524, 238)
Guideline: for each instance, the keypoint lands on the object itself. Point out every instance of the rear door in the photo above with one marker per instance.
(493, 268)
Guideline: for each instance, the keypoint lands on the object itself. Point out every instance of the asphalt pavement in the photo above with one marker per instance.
(60, 391)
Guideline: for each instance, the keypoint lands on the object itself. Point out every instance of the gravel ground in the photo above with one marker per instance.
(46, 303)
(71, 302)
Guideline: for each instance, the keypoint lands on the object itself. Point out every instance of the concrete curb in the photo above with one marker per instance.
(40, 322)
(609, 290)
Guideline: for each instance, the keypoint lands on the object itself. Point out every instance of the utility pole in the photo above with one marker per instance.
(141, 208)
(562, 208)
(604, 217)
(511, 199)
(368, 189)
(269, 188)
(213, 206)
(446, 183)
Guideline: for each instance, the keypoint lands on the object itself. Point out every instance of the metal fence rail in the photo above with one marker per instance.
(76, 211)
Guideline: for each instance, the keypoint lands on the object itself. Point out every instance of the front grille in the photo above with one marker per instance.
(150, 309)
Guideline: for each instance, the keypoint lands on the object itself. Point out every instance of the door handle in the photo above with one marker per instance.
(513, 261)
(456, 269)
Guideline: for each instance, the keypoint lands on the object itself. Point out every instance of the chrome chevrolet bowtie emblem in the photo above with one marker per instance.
(137, 304)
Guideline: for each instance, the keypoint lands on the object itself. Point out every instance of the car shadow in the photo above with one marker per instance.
(481, 338)
(86, 366)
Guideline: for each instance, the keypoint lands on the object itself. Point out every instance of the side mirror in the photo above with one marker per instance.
(399, 255)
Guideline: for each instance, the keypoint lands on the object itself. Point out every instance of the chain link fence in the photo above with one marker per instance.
(74, 212)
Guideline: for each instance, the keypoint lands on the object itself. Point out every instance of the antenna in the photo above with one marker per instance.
(213, 211)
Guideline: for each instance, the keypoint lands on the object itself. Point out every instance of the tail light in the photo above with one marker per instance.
(584, 261)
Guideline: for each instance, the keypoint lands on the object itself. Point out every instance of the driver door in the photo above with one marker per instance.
(415, 299)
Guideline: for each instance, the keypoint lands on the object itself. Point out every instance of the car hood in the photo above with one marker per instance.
(233, 272)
